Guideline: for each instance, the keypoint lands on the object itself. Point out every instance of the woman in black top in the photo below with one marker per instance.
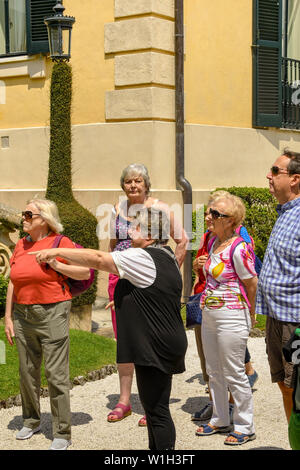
(149, 326)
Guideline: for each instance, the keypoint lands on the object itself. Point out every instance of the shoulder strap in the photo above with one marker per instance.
(207, 234)
(55, 244)
(210, 243)
(237, 242)
(169, 252)
(57, 241)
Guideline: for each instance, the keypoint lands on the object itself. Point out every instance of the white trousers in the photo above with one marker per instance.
(224, 336)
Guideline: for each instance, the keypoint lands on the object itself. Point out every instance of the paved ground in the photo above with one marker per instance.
(91, 403)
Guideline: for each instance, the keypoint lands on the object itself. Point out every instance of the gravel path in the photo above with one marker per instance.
(91, 403)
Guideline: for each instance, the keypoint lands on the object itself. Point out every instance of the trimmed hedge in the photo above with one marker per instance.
(79, 224)
(3, 290)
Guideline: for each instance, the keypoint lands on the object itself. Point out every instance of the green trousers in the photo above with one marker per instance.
(43, 331)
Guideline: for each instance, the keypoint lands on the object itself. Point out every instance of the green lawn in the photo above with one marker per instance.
(261, 322)
(88, 352)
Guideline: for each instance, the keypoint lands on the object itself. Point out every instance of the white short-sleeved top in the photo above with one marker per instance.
(135, 265)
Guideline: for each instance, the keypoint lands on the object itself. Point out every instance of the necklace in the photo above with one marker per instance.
(223, 242)
(29, 239)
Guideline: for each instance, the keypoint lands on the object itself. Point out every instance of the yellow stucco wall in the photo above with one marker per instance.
(218, 67)
(93, 73)
(27, 99)
(221, 147)
(218, 63)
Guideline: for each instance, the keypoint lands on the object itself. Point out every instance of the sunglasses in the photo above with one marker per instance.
(275, 170)
(28, 215)
(216, 214)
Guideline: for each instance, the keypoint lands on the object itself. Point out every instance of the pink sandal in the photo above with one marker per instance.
(143, 421)
(121, 414)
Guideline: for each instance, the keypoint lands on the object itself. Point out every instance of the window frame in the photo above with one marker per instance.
(273, 79)
(267, 58)
(36, 32)
(7, 38)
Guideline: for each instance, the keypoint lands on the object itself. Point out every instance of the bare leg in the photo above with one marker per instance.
(125, 371)
(249, 368)
(287, 395)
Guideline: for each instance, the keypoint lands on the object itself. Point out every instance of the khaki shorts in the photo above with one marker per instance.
(277, 334)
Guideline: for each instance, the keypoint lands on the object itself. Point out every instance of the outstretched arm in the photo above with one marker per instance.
(80, 257)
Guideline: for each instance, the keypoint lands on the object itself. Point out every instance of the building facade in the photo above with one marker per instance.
(241, 68)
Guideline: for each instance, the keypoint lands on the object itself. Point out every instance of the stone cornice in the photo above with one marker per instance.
(18, 66)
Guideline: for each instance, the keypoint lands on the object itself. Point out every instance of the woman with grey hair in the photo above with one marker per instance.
(135, 182)
(150, 329)
(37, 315)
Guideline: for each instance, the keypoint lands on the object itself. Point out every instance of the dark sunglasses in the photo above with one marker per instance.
(28, 215)
(275, 170)
(216, 214)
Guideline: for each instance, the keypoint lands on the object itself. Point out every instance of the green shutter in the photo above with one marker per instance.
(267, 57)
(37, 36)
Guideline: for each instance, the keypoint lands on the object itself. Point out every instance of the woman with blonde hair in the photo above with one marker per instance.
(151, 334)
(228, 312)
(205, 413)
(37, 315)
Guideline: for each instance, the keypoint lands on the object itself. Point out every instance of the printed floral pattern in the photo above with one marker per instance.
(223, 281)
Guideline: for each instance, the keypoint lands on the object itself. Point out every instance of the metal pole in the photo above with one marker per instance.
(181, 181)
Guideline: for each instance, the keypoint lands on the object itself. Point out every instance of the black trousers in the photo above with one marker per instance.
(154, 388)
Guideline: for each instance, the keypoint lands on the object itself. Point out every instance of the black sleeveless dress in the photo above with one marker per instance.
(150, 330)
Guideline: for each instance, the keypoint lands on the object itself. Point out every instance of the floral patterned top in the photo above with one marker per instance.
(119, 227)
(123, 239)
(222, 287)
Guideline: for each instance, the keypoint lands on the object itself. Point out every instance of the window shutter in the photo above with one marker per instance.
(267, 57)
(37, 36)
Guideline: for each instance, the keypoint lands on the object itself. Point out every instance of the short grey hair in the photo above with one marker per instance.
(136, 169)
(49, 212)
(155, 224)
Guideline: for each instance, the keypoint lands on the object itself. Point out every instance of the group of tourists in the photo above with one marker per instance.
(145, 290)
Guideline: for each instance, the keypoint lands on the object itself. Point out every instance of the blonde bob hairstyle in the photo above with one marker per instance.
(236, 207)
(49, 212)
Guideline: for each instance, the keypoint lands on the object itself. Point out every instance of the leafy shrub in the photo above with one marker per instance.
(3, 290)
